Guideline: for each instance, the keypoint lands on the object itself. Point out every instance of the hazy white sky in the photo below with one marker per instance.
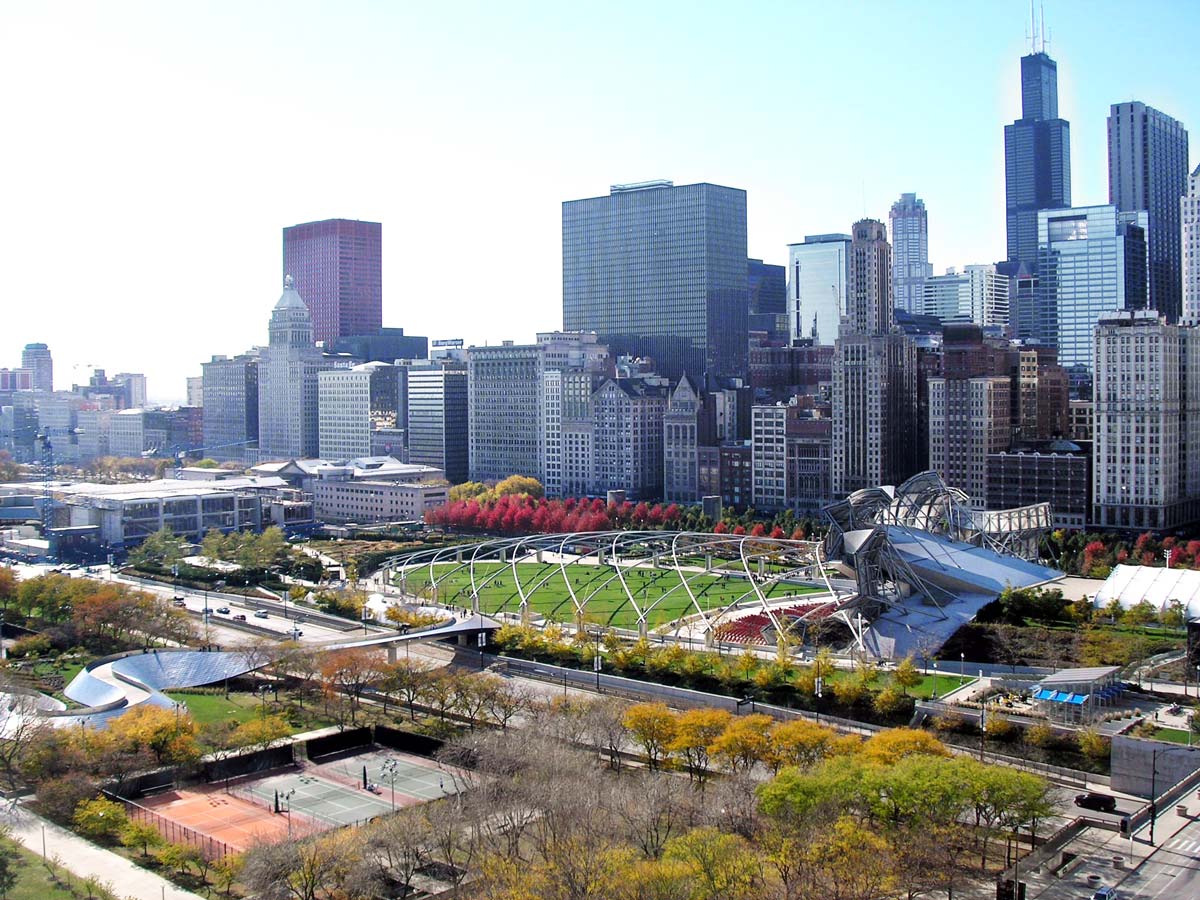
(152, 152)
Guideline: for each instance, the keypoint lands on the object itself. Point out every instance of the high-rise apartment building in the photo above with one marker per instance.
(874, 374)
(627, 437)
(1037, 157)
(288, 417)
(337, 265)
(818, 281)
(354, 403)
(1148, 171)
(681, 423)
(134, 384)
(1146, 471)
(437, 418)
(36, 358)
(1092, 260)
(977, 294)
(230, 418)
(660, 271)
(1190, 250)
(910, 251)
(506, 405)
(195, 390)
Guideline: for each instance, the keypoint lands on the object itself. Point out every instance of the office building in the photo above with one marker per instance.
(16, 380)
(1148, 172)
(909, 224)
(1040, 395)
(1037, 158)
(818, 281)
(869, 301)
(138, 432)
(338, 498)
(388, 345)
(977, 294)
(505, 403)
(1190, 250)
(627, 437)
(1146, 471)
(288, 418)
(1054, 472)
(230, 411)
(352, 403)
(681, 423)
(803, 368)
(768, 301)
(195, 390)
(93, 429)
(438, 418)
(660, 271)
(337, 265)
(134, 385)
(1092, 261)
(36, 358)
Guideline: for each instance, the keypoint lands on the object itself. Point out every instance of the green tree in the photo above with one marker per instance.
(143, 835)
(723, 866)
(8, 874)
(100, 819)
(1141, 613)
(162, 548)
(907, 676)
(179, 857)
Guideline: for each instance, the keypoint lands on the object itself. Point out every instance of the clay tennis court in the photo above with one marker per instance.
(212, 813)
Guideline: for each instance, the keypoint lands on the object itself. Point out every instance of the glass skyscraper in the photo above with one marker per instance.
(1037, 169)
(910, 251)
(661, 271)
(1148, 170)
(1092, 262)
(818, 275)
(337, 266)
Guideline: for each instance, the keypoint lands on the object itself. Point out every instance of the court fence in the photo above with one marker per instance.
(174, 832)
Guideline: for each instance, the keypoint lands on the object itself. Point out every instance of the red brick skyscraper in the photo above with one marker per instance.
(337, 268)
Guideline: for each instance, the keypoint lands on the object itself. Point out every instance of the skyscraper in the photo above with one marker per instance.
(870, 302)
(910, 251)
(818, 279)
(1148, 171)
(978, 294)
(1092, 260)
(768, 300)
(36, 358)
(287, 382)
(1037, 161)
(352, 404)
(1190, 225)
(338, 270)
(230, 415)
(658, 270)
(437, 417)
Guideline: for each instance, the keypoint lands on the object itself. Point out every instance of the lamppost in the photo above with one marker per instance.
(288, 797)
(934, 694)
(962, 667)
(389, 769)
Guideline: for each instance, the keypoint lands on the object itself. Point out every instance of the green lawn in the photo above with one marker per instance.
(206, 708)
(33, 879)
(946, 682)
(1171, 735)
(594, 586)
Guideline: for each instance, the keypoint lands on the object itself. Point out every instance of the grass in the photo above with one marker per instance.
(595, 586)
(946, 682)
(1171, 735)
(208, 708)
(34, 881)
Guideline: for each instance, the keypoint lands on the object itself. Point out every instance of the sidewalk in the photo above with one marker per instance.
(85, 859)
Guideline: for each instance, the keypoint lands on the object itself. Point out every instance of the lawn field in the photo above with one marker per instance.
(661, 591)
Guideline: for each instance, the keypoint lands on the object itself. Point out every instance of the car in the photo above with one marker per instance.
(178, 601)
(262, 614)
(240, 617)
(1105, 893)
(223, 610)
(1097, 802)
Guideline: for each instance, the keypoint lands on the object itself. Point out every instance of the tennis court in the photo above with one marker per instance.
(415, 778)
(208, 812)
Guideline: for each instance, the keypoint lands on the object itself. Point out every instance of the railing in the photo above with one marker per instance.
(174, 832)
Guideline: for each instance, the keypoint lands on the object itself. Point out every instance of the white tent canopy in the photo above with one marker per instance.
(1158, 586)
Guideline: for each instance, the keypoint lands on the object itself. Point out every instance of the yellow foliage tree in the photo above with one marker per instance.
(745, 742)
(653, 727)
(695, 731)
(888, 747)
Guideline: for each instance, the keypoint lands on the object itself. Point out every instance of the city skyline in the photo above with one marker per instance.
(558, 125)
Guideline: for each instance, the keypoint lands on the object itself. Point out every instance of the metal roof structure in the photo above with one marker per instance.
(1158, 586)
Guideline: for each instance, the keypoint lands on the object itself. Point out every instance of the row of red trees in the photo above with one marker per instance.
(522, 514)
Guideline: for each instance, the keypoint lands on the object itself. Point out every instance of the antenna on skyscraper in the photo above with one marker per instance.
(1043, 7)
(1032, 34)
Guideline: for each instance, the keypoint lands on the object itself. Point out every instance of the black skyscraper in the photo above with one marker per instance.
(658, 270)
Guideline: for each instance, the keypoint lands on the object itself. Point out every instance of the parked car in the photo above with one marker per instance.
(223, 610)
(261, 614)
(178, 601)
(1098, 802)
(1105, 893)
(240, 617)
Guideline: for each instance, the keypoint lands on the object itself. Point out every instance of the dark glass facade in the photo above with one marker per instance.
(661, 271)
(337, 267)
(1148, 170)
(389, 345)
(1037, 158)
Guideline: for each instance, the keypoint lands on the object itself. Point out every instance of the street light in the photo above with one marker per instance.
(389, 769)
(1154, 786)
(934, 695)
(288, 797)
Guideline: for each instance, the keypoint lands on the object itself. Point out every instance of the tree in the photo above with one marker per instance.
(520, 484)
(100, 819)
(143, 835)
(722, 866)
(888, 747)
(227, 870)
(8, 874)
(744, 742)
(169, 735)
(798, 743)
(351, 672)
(652, 727)
(9, 470)
(1141, 613)
(179, 857)
(408, 679)
(261, 733)
(696, 730)
(906, 674)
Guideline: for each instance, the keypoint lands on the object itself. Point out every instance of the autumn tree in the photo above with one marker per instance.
(745, 742)
(696, 730)
(652, 726)
(350, 672)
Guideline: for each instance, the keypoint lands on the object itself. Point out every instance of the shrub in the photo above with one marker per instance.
(1092, 745)
(1040, 735)
(891, 702)
(31, 646)
(100, 819)
(999, 728)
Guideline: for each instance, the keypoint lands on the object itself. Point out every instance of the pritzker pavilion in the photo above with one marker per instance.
(900, 570)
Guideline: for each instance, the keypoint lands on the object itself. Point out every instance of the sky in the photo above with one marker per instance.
(152, 152)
